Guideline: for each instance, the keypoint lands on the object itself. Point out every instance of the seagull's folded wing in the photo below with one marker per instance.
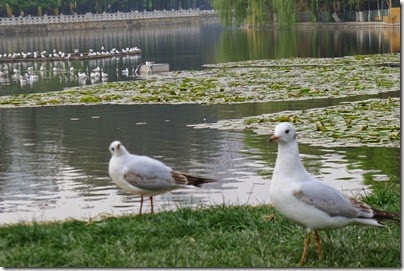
(150, 174)
(331, 201)
(151, 182)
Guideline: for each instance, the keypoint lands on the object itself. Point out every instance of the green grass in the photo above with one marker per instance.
(220, 236)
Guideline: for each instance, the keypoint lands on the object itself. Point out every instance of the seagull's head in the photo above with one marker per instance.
(284, 133)
(116, 148)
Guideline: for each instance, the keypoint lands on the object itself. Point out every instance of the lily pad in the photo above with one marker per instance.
(372, 127)
(239, 82)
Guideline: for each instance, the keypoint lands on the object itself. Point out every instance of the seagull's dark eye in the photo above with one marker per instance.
(112, 149)
(287, 131)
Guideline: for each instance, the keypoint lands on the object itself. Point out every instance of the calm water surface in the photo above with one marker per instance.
(184, 47)
(54, 160)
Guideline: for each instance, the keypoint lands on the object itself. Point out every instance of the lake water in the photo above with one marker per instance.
(184, 47)
(54, 160)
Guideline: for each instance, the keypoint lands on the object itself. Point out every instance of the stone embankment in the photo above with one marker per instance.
(102, 21)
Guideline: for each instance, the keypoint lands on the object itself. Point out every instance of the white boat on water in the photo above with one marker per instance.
(150, 67)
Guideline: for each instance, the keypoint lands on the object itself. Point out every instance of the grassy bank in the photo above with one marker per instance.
(221, 236)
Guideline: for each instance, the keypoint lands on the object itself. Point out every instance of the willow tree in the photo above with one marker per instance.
(8, 4)
(356, 4)
(285, 11)
(46, 5)
(256, 12)
(232, 10)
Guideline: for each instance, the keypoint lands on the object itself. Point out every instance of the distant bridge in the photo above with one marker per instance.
(102, 17)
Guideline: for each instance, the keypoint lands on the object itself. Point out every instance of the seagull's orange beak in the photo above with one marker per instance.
(273, 138)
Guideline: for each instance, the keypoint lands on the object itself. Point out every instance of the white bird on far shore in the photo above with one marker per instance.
(125, 72)
(104, 74)
(81, 75)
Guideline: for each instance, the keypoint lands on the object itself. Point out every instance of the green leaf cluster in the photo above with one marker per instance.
(283, 12)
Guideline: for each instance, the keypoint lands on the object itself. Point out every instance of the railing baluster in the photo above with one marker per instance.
(89, 17)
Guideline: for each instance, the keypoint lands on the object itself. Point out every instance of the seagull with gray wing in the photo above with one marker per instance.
(146, 176)
(302, 198)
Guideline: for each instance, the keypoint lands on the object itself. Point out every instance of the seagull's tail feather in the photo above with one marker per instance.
(373, 216)
(186, 179)
(389, 216)
(197, 181)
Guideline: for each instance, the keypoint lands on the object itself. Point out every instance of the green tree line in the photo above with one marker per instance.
(256, 12)
(55, 7)
(249, 12)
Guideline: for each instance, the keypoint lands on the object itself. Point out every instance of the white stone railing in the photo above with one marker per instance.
(90, 17)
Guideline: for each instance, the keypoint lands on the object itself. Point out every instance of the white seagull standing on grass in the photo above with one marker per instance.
(300, 197)
(145, 176)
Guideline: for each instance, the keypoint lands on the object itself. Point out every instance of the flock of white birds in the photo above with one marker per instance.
(59, 55)
(28, 72)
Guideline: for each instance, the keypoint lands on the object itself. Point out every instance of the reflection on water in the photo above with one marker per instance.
(54, 160)
(31, 77)
(270, 43)
(53, 163)
(184, 47)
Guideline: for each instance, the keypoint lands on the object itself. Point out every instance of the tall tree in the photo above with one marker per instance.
(285, 12)
(8, 5)
(356, 4)
(232, 10)
(256, 12)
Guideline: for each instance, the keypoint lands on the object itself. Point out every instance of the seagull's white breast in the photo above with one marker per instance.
(140, 174)
(118, 167)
